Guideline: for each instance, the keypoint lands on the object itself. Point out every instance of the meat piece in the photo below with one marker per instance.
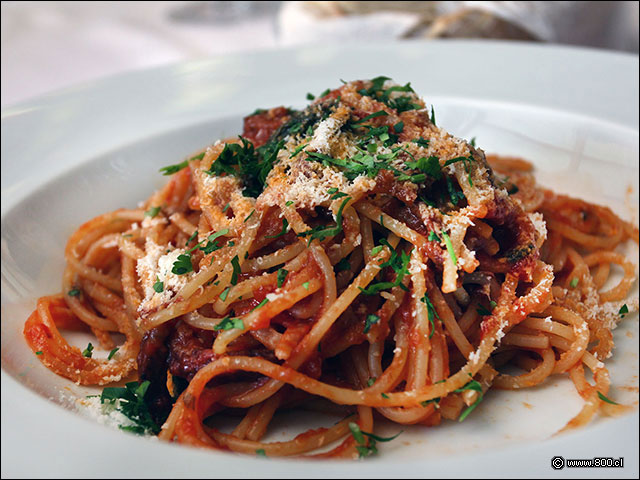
(152, 366)
(260, 126)
(189, 350)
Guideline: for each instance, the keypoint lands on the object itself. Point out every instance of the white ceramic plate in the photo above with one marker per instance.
(77, 153)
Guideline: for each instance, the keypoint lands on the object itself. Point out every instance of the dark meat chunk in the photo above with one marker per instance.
(152, 366)
(259, 127)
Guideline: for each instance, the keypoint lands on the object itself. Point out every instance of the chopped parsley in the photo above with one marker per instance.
(39, 352)
(229, 323)
(398, 263)
(335, 194)
(452, 253)
(306, 285)
(421, 142)
(398, 127)
(607, 400)
(226, 207)
(250, 165)
(261, 304)
(158, 287)
(371, 381)
(482, 310)
(377, 91)
(282, 275)
(320, 232)
(112, 353)
(343, 265)
(225, 292)
(212, 243)
(433, 115)
(379, 113)
(371, 319)
(472, 385)
(260, 452)
(285, 226)
(193, 236)
(623, 310)
(431, 313)
(433, 237)
(74, 292)
(182, 265)
(574, 282)
(433, 400)
(298, 150)
(171, 169)
(310, 96)
(429, 166)
(249, 216)
(364, 448)
(88, 352)
(152, 212)
(130, 402)
(288, 203)
(235, 263)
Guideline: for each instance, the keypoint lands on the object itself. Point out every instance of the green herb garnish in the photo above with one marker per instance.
(320, 233)
(152, 212)
(158, 287)
(130, 402)
(235, 263)
(623, 310)
(607, 400)
(112, 353)
(285, 226)
(228, 323)
(452, 253)
(371, 319)
(282, 275)
(182, 265)
(88, 352)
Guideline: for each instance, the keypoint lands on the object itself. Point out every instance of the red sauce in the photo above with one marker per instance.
(259, 127)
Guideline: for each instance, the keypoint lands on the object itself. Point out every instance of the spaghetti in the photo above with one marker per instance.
(352, 256)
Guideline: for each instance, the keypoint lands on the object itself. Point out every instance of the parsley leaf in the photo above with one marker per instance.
(320, 233)
(282, 275)
(371, 319)
(171, 169)
(158, 287)
(343, 265)
(421, 142)
(472, 385)
(182, 265)
(112, 353)
(235, 263)
(429, 166)
(574, 282)
(285, 226)
(449, 245)
(229, 323)
(431, 313)
(130, 402)
(88, 352)
(152, 212)
(623, 310)
(607, 400)
(74, 292)
(367, 448)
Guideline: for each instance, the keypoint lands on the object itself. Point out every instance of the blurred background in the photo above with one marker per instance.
(51, 45)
